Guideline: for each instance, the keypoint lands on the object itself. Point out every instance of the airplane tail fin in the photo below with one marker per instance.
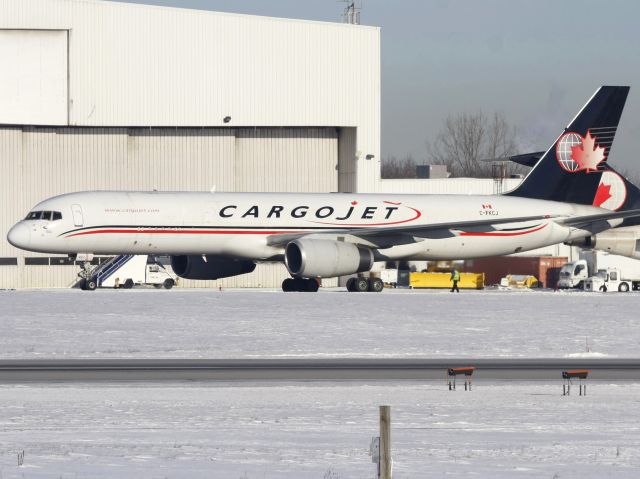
(617, 193)
(571, 169)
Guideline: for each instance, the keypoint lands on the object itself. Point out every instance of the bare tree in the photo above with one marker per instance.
(467, 140)
(393, 167)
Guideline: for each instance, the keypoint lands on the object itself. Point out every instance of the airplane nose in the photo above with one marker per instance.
(19, 236)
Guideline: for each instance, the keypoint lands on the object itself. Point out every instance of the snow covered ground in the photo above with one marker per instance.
(317, 430)
(257, 323)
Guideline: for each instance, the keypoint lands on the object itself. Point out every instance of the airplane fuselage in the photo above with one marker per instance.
(241, 225)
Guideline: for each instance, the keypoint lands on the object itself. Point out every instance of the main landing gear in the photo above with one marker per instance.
(363, 285)
(354, 285)
(308, 285)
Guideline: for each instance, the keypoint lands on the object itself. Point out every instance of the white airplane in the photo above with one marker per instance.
(217, 235)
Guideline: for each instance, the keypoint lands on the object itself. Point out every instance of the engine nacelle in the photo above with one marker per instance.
(310, 258)
(621, 242)
(195, 267)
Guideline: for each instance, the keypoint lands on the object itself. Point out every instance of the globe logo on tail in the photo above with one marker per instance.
(577, 153)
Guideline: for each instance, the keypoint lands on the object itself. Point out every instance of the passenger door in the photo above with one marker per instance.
(76, 210)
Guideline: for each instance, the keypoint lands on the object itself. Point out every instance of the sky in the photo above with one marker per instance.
(537, 62)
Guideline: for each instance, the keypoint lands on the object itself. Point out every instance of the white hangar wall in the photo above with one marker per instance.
(103, 95)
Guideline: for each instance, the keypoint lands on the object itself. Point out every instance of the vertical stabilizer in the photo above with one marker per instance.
(571, 169)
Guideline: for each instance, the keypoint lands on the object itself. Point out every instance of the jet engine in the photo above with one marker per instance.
(195, 267)
(625, 242)
(311, 258)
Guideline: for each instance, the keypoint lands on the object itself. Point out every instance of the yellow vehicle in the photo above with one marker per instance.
(443, 280)
(519, 281)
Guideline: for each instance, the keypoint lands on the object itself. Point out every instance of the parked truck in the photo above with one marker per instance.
(611, 279)
(126, 271)
(605, 272)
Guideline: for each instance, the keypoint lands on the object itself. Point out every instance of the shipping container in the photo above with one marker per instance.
(545, 268)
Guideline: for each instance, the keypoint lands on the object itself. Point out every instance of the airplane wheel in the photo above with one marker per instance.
(350, 284)
(302, 285)
(288, 285)
(168, 283)
(375, 285)
(128, 284)
(90, 285)
(312, 285)
(623, 288)
(361, 285)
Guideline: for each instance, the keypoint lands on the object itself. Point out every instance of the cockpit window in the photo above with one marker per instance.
(44, 215)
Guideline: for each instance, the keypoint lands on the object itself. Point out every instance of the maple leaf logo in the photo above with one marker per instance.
(587, 155)
(603, 193)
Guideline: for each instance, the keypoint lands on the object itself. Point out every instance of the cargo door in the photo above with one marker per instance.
(76, 210)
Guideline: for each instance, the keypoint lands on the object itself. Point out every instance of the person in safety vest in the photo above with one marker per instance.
(455, 277)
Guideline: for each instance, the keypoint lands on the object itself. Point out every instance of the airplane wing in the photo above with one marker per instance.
(417, 230)
(578, 221)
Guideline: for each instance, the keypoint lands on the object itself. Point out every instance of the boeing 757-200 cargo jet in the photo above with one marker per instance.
(218, 235)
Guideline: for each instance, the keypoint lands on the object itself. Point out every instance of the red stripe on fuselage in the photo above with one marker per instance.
(501, 233)
(269, 232)
(183, 232)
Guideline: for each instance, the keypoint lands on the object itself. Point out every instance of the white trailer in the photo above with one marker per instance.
(622, 273)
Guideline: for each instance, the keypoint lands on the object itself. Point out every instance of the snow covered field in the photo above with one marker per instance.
(256, 323)
(317, 430)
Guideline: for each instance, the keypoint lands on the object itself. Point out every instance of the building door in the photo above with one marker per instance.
(77, 215)
(286, 160)
(34, 82)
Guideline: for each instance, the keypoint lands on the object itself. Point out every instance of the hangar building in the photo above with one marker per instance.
(104, 95)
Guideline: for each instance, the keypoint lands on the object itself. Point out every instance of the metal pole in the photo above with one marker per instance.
(385, 442)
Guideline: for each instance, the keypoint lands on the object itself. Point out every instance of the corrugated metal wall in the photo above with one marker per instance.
(39, 162)
(348, 162)
(140, 65)
(287, 160)
(453, 186)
